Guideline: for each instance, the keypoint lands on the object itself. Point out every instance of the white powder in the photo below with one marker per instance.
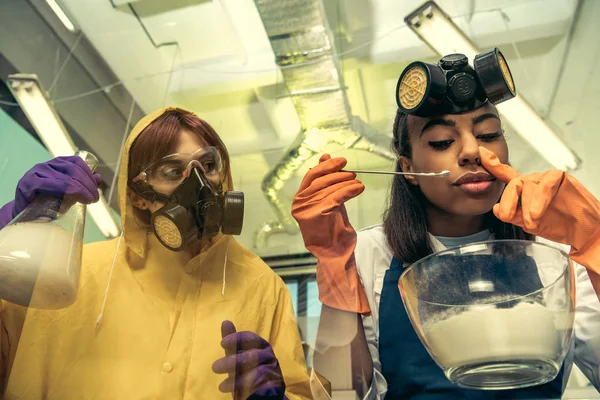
(484, 334)
(39, 256)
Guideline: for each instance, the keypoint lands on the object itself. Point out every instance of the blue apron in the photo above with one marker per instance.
(410, 371)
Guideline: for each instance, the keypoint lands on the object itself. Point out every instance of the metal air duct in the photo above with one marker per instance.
(300, 38)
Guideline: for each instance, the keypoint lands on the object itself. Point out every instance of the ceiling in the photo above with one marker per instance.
(215, 58)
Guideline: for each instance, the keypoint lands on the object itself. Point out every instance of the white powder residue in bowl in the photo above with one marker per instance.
(526, 331)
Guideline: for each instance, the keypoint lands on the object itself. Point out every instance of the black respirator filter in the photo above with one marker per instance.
(452, 86)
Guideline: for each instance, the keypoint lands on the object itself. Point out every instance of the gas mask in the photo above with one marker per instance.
(198, 207)
(452, 86)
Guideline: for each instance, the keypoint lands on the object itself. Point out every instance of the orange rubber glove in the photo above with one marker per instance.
(553, 205)
(319, 209)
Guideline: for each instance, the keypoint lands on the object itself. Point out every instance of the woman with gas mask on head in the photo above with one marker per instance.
(446, 121)
(175, 308)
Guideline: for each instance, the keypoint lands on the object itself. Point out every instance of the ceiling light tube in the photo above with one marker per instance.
(62, 16)
(28, 92)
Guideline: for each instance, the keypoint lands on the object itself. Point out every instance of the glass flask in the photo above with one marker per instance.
(41, 250)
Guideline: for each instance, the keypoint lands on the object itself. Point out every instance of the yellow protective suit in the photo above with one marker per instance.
(159, 332)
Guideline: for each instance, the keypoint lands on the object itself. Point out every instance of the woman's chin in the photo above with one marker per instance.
(474, 208)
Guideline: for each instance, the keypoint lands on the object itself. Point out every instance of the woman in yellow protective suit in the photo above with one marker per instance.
(150, 322)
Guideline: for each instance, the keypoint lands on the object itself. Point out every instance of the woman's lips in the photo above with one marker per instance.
(476, 187)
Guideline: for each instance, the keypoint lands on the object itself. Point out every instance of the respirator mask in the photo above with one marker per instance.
(198, 207)
(453, 86)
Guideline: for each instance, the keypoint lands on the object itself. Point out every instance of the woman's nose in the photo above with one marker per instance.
(470, 152)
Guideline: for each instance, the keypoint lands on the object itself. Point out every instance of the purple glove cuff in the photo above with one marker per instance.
(6, 213)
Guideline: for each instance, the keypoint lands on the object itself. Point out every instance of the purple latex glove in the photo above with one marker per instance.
(59, 177)
(253, 369)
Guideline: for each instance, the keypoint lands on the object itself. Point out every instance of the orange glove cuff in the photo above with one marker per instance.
(342, 291)
(589, 257)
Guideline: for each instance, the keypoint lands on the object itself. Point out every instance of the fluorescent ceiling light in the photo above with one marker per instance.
(437, 29)
(29, 94)
(62, 16)
(27, 91)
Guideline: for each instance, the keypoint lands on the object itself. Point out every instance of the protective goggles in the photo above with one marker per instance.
(170, 171)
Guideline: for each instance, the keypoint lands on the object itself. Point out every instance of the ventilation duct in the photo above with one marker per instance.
(304, 50)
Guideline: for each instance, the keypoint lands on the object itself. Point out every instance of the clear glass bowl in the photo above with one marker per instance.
(493, 315)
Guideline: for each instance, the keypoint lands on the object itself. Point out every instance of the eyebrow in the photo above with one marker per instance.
(447, 122)
(480, 118)
(438, 121)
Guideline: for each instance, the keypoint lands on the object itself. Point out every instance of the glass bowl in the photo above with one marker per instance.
(493, 315)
